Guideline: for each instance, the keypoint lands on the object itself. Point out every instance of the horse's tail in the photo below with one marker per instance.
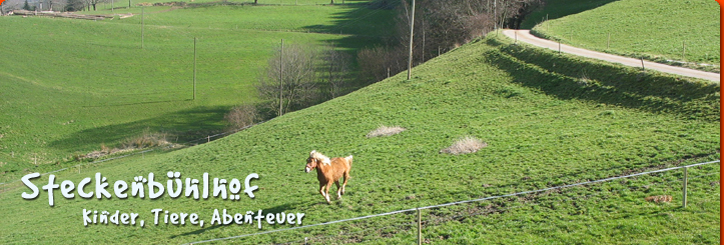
(349, 159)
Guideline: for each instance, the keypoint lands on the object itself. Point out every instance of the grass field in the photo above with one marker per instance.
(554, 9)
(546, 124)
(658, 30)
(70, 86)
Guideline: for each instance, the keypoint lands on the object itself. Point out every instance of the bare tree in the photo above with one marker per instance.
(376, 64)
(336, 68)
(290, 79)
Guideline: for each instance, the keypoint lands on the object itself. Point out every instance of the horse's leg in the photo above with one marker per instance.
(321, 191)
(346, 178)
(325, 192)
(339, 190)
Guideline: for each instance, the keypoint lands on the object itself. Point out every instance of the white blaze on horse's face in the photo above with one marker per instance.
(311, 164)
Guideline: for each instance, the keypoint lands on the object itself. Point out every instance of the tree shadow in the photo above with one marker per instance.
(560, 8)
(568, 78)
(178, 127)
(139, 103)
(365, 24)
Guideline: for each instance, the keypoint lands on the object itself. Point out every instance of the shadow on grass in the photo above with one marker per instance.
(197, 232)
(366, 23)
(139, 103)
(555, 9)
(567, 77)
(179, 127)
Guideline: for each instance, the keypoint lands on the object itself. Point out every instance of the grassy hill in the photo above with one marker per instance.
(70, 87)
(657, 30)
(548, 120)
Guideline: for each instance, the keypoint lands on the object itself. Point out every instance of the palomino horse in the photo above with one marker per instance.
(329, 171)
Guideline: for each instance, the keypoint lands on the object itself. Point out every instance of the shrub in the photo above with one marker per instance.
(241, 116)
(385, 131)
(145, 141)
(465, 145)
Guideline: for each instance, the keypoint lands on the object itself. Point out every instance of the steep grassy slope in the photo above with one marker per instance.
(657, 30)
(70, 86)
(544, 127)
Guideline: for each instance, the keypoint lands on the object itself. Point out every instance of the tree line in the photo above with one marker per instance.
(298, 76)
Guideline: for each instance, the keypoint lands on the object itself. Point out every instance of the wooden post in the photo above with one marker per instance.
(281, 70)
(412, 27)
(419, 227)
(608, 41)
(559, 46)
(142, 23)
(208, 139)
(495, 16)
(548, 25)
(643, 68)
(423, 40)
(516, 37)
(194, 80)
(683, 51)
(686, 176)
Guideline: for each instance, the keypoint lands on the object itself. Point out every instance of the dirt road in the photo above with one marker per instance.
(525, 36)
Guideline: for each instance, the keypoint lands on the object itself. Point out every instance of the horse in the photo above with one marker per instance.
(329, 171)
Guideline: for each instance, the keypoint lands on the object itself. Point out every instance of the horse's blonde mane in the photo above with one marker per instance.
(321, 157)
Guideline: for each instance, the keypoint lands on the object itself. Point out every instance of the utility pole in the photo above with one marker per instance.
(194, 96)
(412, 32)
(142, 24)
(281, 71)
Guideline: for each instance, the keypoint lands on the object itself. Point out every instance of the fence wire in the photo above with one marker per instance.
(459, 202)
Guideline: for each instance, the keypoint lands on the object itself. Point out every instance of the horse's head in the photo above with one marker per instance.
(312, 162)
(315, 160)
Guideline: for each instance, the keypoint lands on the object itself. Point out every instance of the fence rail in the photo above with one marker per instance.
(465, 201)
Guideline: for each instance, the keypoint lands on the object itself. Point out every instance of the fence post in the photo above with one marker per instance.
(686, 178)
(419, 227)
(643, 68)
(559, 46)
(683, 51)
(608, 41)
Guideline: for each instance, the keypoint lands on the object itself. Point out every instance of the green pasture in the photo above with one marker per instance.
(70, 86)
(546, 124)
(660, 30)
(554, 9)
(121, 6)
